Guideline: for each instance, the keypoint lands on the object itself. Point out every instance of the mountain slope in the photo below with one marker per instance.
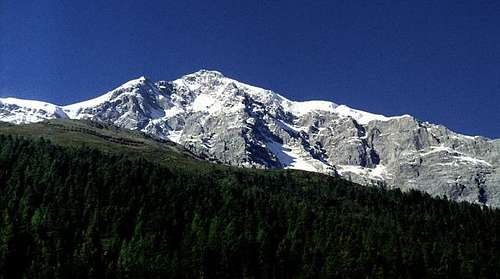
(238, 124)
(76, 212)
(105, 137)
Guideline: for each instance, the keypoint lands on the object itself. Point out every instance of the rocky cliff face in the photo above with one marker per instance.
(227, 121)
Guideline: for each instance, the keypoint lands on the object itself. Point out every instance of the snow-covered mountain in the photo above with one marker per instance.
(231, 122)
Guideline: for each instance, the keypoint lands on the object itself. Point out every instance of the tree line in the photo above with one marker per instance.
(78, 212)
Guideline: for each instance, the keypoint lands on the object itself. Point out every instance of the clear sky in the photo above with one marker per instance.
(437, 60)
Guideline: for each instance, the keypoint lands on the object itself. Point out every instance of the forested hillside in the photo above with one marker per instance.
(81, 212)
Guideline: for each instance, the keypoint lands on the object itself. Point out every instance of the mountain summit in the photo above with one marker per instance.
(234, 123)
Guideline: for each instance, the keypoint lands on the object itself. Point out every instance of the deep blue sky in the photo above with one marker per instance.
(437, 60)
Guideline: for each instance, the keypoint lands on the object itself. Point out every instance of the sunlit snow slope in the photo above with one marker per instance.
(225, 120)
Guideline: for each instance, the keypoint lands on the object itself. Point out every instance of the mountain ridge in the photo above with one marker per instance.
(243, 125)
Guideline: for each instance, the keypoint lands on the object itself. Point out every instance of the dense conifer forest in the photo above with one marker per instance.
(79, 212)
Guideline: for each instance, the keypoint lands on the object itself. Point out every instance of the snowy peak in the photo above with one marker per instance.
(363, 117)
(139, 88)
(21, 111)
(202, 91)
(228, 121)
(29, 104)
(204, 75)
(212, 92)
(214, 82)
(200, 79)
(305, 107)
